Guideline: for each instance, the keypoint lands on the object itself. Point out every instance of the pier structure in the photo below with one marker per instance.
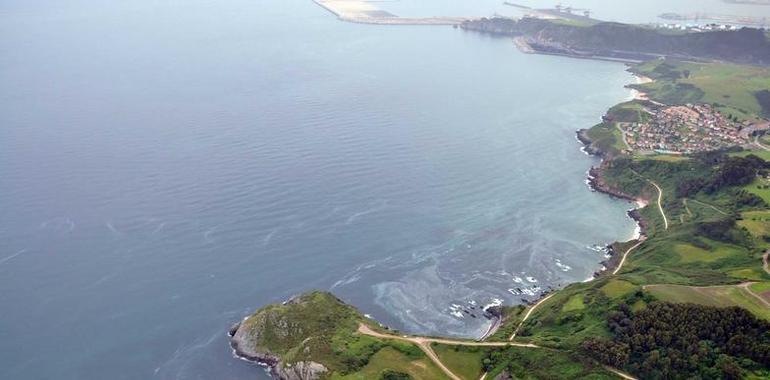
(364, 12)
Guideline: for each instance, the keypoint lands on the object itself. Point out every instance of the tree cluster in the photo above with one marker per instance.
(730, 171)
(684, 341)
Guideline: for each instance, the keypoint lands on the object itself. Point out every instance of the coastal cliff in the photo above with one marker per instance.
(295, 339)
(629, 42)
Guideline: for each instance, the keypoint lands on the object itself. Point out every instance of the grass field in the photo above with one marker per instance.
(391, 359)
(572, 315)
(761, 188)
(760, 287)
(661, 157)
(719, 296)
(546, 364)
(462, 361)
(689, 253)
(618, 288)
(752, 274)
(573, 304)
(607, 138)
(731, 87)
(756, 222)
(761, 153)
(673, 260)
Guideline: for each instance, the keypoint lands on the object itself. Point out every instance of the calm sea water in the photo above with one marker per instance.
(166, 167)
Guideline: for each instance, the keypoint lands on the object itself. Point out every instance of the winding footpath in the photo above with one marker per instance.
(746, 286)
(529, 312)
(424, 344)
(625, 254)
(660, 203)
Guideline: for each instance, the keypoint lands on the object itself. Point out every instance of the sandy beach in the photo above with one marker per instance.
(640, 79)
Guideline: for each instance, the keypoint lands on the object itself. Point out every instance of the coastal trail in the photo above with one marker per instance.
(660, 203)
(531, 309)
(625, 254)
(424, 344)
(660, 197)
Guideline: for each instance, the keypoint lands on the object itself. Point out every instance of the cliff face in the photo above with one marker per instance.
(607, 39)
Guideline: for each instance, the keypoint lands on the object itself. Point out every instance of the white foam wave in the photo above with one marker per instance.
(112, 228)
(357, 215)
(11, 257)
(346, 281)
(493, 303)
(269, 237)
(563, 267)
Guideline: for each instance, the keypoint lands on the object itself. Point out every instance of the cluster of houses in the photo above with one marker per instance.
(697, 27)
(683, 129)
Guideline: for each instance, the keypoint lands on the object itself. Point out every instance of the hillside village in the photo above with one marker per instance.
(683, 129)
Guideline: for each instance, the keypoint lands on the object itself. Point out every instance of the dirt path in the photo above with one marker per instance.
(424, 344)
(759, 144)
(746, 287)
(687, 208)
(765, 264)
(660, 203)
(625, 254)
(711, 206)
(623, 135)
(620, 373)
(660, 197)
(531, 309)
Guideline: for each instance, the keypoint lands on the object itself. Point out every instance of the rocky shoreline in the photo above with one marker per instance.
(588, 147)
(596, 183)
(242, 349)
